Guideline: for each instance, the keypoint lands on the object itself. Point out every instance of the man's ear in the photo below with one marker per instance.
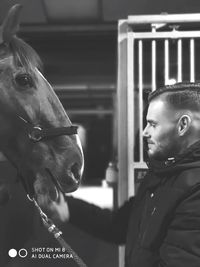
(184, 124)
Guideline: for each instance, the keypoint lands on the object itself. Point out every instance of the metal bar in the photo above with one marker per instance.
(179, 60)
(140, 165)
(192, 60)
(122, 85)
(130, 114)
(166, 59)
(165, 18)
(140, 52)
(49, 28)
(167, 35)
(153, 60)
(92, 112)
(84, 87)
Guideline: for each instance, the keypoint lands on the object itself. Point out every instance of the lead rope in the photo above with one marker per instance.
(53, 229)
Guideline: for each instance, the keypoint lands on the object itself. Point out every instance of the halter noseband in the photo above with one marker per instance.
(37, 133)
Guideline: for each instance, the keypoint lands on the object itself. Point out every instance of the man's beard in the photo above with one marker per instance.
(163, 153)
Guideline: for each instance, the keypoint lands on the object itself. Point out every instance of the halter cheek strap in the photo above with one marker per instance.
(37, 133)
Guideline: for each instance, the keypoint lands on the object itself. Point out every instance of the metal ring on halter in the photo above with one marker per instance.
(35, 134)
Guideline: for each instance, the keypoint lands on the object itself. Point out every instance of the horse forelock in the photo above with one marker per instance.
(24, 55)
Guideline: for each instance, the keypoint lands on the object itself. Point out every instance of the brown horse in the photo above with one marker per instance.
(36, 134)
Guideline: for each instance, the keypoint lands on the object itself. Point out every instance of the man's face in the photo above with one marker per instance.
(161, 131)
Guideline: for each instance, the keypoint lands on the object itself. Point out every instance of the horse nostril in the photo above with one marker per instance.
(76, 172)
(71, 178)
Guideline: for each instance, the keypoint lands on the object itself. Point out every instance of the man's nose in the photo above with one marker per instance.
(145, 132)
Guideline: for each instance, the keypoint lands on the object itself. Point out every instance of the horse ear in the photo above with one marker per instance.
(10, 24)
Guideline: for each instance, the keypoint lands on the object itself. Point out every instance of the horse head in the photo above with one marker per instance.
(36, 134)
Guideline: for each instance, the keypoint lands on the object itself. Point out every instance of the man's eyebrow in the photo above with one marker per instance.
(151, 121)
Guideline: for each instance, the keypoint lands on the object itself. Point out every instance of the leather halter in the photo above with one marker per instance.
(37, 133)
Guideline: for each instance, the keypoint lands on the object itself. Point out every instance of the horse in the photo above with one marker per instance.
(36, 134)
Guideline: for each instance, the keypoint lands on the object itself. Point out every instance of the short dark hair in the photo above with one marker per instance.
(180, 95)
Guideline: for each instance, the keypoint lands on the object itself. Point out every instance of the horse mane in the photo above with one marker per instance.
(24, 54)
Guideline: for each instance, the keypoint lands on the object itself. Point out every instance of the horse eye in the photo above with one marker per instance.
(24, 80)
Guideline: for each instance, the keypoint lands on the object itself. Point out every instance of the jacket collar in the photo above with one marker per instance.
(190, 158)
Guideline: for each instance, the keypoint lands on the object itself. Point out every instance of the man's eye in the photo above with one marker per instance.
(153, 125)
(24, 80)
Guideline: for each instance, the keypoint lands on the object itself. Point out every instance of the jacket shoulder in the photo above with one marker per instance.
(188, 179)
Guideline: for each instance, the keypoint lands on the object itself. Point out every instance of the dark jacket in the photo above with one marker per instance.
(161, 225)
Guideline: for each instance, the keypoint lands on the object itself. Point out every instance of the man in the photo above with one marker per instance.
(161, 225)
